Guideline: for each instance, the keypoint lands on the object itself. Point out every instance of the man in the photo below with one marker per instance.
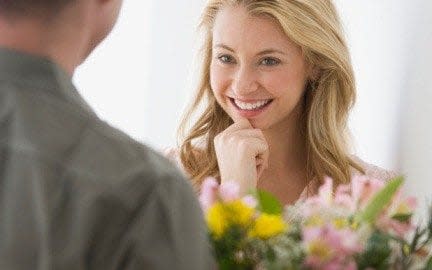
(74, 192)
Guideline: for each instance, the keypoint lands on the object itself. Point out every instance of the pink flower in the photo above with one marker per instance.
(325, 192)
(229, 191)
(344, 198)
(363, 188)
(323, 199)
(329, 248)
(399, 207)
(250, 201)
(347, 264)
(209, 193)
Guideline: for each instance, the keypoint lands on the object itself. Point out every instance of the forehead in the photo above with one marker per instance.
(238, 29)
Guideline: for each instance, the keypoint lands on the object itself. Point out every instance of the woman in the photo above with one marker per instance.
(277, 86)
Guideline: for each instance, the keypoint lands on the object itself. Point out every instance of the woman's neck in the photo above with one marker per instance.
(286, 174)
(287, 144)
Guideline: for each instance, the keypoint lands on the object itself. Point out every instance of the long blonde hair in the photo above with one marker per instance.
(313, 25)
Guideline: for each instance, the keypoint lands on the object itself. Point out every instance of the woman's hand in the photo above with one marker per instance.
(242, 154)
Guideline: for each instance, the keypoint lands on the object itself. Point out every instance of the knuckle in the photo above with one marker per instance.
(232, 140)
(243, 145)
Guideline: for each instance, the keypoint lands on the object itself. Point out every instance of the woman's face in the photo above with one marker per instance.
(256, 72)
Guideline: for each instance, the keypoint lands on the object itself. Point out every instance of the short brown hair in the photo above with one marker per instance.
(31, 7)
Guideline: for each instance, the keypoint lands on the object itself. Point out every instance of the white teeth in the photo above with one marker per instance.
(251, 106)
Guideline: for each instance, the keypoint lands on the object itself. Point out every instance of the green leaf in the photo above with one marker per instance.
(267, 203)
(402, 217)
(376, 253)
(380, 200)
(428, 265)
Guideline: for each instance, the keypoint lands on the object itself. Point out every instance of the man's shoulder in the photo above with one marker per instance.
(63, 135)
(115, 155)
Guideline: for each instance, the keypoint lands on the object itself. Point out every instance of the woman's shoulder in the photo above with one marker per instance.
(373, 171)
(370, 171)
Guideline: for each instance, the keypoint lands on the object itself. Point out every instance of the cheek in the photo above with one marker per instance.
(283, 82)
(219, 80)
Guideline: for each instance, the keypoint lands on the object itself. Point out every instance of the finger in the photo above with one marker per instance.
(238, 126)
(259, 161)
(265, 158)
(242, 122)
(255, 146)
(253, 139)
(260, 170)
(245, 134)
(262, 163)
(238, 118)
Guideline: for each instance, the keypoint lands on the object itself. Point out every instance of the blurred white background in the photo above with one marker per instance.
(140, 78)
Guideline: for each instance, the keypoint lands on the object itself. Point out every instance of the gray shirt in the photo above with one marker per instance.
(76, 193)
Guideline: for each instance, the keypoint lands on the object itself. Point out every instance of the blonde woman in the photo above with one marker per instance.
(277, 86)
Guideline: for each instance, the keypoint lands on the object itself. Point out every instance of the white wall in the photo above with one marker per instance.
(173, 46)
(139, 79)
(416, 110)
(391, 44)
(115, 78)
(377, 35)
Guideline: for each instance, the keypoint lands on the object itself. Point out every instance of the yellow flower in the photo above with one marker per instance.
(222, 215)
(406, 249)
(267, 226)
(320, 249)
(239, 213)
(340, 223)
(403, 209)
(315, 221)
(216, 219)
(355, 225)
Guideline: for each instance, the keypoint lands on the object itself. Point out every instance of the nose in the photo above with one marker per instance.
(244, 81)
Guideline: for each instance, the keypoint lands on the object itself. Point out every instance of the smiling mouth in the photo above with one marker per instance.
(251, 106)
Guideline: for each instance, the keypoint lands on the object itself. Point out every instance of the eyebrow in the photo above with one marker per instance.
(267, 51)
(224, 47)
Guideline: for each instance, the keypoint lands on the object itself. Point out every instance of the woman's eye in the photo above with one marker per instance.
(226, 59)
(268, 61)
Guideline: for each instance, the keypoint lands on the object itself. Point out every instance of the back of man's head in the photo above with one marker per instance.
(31, 8)
(66, 31)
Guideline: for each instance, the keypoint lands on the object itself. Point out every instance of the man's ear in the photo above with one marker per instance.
(106, 2)
(102, 4)
(102, 16)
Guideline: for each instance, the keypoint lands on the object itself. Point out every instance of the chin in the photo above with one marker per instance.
(259, 125)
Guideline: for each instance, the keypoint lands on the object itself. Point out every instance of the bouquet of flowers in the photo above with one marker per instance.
(367, 224)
